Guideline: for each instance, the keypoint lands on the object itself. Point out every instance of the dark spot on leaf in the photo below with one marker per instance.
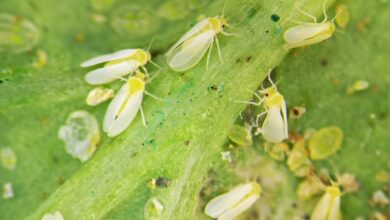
(60, 180)
(324, 62)
(275, 18)
(238, 60)
(306, 217)
(267, 31)
(163, 182)
(212, 87)
(55, 159)
(248, 59)
(187, 142)
(251, 12)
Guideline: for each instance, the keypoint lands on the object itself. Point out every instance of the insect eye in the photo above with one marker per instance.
(266, 94)
(223, 26)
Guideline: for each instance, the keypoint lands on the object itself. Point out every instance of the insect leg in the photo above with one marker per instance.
(154, 96)
(308, 14)
(219, 49)
(209, 54)
(143, 116)
(258, 117)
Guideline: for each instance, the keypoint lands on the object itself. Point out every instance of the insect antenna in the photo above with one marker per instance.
(324, 11)
(307, 14)
(156, 65)
(151, 43)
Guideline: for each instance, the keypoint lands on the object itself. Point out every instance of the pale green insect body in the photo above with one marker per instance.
(190, 49)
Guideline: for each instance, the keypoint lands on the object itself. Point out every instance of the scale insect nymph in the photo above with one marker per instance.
(190, 49)
(307, 33)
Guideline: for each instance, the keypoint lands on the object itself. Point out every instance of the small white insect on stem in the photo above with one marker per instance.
(190, 49)
(274, 128)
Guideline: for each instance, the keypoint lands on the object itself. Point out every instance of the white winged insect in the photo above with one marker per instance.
(275, 127)
(190, 49)
(307, 33)
(231, 204)
(124, 107)
(117, 64)
(328, 207)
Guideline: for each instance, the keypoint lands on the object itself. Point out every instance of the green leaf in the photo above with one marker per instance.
(184, 134)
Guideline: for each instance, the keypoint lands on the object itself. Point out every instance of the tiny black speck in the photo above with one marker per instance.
(275, 18)
(163, 182)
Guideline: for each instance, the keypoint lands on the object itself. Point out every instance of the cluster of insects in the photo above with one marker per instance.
(185, 54)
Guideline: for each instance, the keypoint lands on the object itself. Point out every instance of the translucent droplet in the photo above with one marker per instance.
(296, 112)
(308, 188)
(379, 198)
(153, 209)
(226, 156)
(8, 191)
(325, 142)
(8, 158)
(53, 216)
(357, 86)
(343, 15)
(99, 95)
(298, 161)
(173, 10)
(17, 34)
(276, 151)
(240, 135)
(80, 135)
(41, 59)
(134, 20)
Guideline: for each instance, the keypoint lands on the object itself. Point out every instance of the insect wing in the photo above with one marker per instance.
(334, 212)
(273, 129)
(121, 111)
(240, 208)
(220, 204)
(322, 208)
(110, 73)
(193, 31)
(108, 57)
(301, 33)
(190, 53)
